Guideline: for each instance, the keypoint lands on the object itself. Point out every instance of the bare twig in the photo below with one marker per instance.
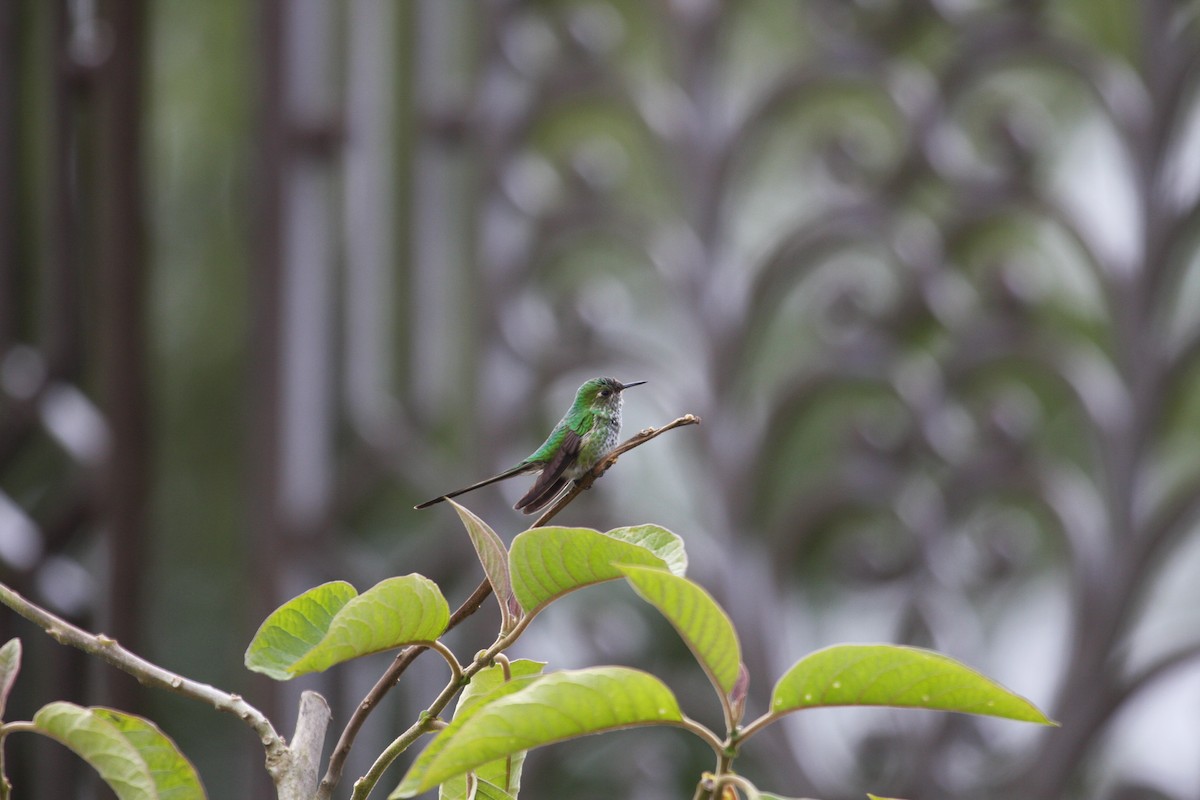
(107, 649)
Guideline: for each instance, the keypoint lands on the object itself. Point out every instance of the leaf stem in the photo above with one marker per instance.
(709, 738)
(757, 725)
(456, 670)
(505, 666)
(5, 730)
(748, 788)
(726, 706)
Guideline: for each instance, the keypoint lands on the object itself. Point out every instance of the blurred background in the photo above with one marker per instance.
(272, 272)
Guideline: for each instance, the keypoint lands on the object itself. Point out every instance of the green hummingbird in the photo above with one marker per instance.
(585, 434)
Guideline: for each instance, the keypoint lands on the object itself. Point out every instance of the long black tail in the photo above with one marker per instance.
(517, 470)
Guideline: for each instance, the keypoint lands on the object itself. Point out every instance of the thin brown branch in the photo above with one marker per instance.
(107, 649)
(585, 483)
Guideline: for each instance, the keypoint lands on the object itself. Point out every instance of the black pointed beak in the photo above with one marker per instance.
(631, 385)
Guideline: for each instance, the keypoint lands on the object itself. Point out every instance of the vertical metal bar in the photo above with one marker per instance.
(263, 378)
(59, 314)
(122, 327)
(263, 386)
(54, 323)
(10, 62)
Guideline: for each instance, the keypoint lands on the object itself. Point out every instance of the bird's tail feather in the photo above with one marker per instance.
(517, 470)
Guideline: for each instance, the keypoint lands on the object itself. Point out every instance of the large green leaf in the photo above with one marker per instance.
(503, 774)
(102, 745)
(174, 776)
(559, 706)
(10, 665)
(901, 677)
(329, 624)
(493, 556)
(546, 563)
(704, 626)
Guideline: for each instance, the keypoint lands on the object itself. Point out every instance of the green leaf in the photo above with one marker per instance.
(174, 776)
(492, 555)
(901, 677)
(102, 745)
(329, 624)
(658, 540)
(394, 612)
(704, 626)
(558, 706)
(10, 665)
(295, 628)
(503, 774)
(546, 563)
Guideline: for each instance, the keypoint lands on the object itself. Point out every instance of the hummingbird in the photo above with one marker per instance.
(585, 434)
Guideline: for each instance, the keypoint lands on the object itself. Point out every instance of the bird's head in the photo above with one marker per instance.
(602, 394)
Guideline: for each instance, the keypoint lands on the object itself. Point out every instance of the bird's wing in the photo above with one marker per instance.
(549, 448)
(551, 480)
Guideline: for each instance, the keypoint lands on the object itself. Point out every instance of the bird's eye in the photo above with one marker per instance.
(606, 393)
